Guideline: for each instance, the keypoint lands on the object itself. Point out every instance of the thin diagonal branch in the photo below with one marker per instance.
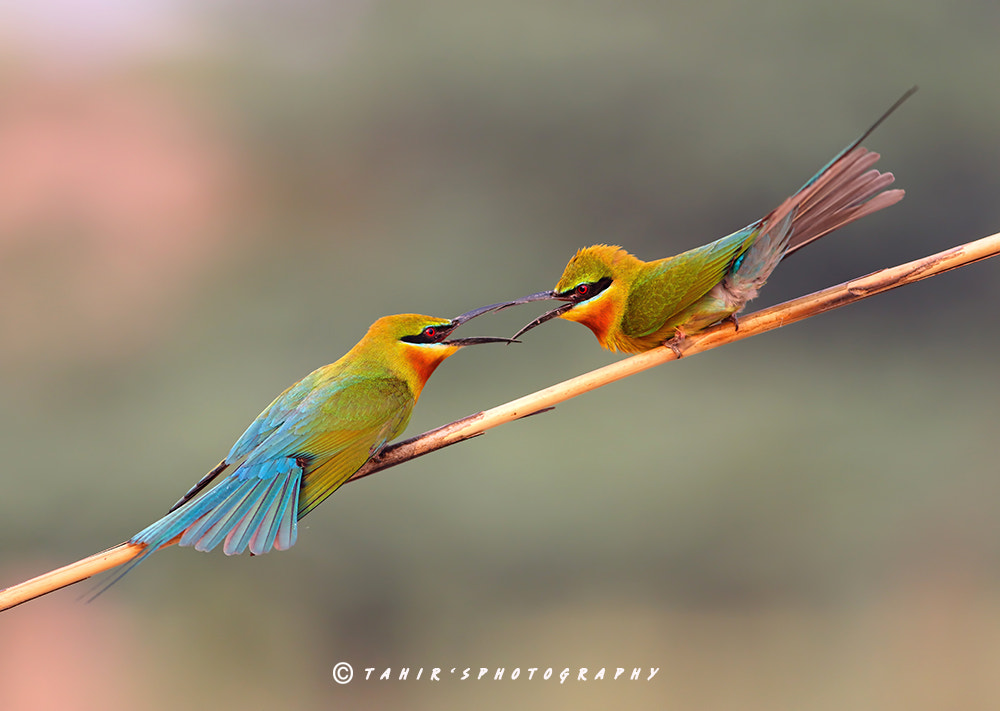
(473, 425)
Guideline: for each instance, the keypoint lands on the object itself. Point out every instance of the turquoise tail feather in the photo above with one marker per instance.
(256, 507)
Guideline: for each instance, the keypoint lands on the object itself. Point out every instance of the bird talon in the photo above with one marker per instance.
(675, 343)
(735, 319)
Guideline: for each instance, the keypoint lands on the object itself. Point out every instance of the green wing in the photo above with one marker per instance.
(668, 286)
(346, 427)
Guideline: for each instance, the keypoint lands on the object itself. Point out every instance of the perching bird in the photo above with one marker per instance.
(633, 306)
(312, 439)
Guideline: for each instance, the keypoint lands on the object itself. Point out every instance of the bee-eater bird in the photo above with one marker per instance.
(311, 439)
(633, 306)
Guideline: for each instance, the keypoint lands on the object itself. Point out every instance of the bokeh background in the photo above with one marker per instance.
(200, 202)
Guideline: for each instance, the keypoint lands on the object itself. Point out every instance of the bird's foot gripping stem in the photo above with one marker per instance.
(676, 342)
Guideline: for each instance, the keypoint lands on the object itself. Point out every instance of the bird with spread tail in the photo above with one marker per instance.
(311, 439)
(634, 306)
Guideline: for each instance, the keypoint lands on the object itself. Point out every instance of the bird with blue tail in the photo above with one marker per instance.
(310, 440)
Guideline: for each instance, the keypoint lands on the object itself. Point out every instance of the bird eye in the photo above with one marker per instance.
(429, 334)
(584, 290)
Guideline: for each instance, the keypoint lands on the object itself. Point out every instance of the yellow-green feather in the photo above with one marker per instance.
(664, 288)
(355, 423)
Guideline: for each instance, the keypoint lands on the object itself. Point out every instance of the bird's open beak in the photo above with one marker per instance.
(477, 340)
(548, 315)
(540, 296)
(468, 316)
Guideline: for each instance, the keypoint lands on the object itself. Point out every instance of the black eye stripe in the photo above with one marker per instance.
(429, 334)
(586, 290)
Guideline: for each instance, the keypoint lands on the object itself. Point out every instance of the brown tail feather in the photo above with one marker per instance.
(844, 191)
(847, 191)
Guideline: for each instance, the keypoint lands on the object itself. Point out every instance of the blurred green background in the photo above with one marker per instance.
(201, 202)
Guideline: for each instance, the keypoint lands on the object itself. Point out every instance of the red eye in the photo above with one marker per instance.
(582, 289)
(430, 332)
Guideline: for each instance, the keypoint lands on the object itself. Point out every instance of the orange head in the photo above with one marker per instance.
(412, 346)
(595, 287)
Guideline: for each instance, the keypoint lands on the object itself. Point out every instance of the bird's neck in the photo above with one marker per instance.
(602, 314)
(420, 362)
(411, 363)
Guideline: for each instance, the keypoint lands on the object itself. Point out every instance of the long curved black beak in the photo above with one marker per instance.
(548, 315)
(468, 316)
(540, 296)
(475, 313)
(477, 340)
